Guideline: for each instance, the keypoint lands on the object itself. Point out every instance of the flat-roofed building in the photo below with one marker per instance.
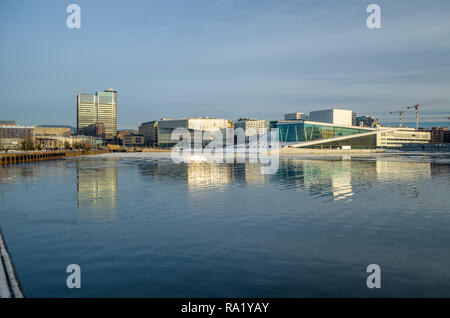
(150, 131)
(203, 124)
(52, 131)
(12, 136)
(440, 135)
(95, 130)
(252, 126)
(133, 140)
(404, 135)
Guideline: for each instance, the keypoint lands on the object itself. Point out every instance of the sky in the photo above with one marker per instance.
(224, 58)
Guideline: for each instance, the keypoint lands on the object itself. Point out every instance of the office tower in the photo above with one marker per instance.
(98, 108)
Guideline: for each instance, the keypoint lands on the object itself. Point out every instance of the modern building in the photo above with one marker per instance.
(332, 116)
(201, 124)
(321, 135)
(295, 116)
(95, 130)
(252, 126)
(98, 108)
(133, 140)
(150, 131)
(395, 138)
(119, 139)
(313, 134)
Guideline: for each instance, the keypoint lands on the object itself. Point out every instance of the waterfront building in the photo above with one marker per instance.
(440, 135)
(98, 108)
(12, 136)
(252, 126)
(133, 140)
(321, 135)
(295, 116)
(52, 131)
(203, 124)
(332, 116)
(95, 130)
(402, 135)
(60, 142)
(309, 131)
(119, 139)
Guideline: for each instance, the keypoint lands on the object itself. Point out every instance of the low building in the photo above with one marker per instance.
(150, 132)
(52, 131)
(295, 116)
(395, 138)
(94, 130)
(133, 140)
(202, 124)
(252, 126)
(12, 136)
(63, 142)
(440, 135)
(120, 135)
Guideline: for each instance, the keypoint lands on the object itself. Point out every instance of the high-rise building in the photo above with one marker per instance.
(98, 108)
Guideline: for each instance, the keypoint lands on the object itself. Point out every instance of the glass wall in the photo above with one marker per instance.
(304, 131)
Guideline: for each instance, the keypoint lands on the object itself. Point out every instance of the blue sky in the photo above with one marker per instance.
(223, 58)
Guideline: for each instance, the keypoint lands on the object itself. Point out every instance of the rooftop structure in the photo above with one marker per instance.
(295, 116)
(332, 116)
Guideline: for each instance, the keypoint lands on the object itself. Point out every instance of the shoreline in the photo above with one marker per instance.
(9, 283)
(32, 156)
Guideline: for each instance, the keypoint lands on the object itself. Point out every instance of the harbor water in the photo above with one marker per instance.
(139, 225)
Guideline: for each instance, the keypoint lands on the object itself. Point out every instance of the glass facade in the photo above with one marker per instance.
(308, 131)
(98, 108)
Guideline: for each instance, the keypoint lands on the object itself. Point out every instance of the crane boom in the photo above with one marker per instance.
(416, 107)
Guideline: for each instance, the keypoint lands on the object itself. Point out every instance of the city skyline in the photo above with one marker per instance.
(224, 59)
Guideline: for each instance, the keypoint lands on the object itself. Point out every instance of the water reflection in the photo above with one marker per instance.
(338, 179)
(97, 189)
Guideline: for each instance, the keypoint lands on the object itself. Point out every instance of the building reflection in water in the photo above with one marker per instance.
(404, 172)
(97, 189)
(332, 178)
(339, 179)
(207, 175)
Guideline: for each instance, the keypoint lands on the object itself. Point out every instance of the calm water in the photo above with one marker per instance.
(145, 227)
